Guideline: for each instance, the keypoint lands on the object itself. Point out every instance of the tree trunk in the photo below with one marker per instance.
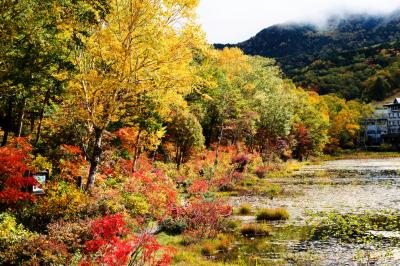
(178, 158)
(95, 158)
(39, 130)
(45, 102)
(221, 133)
(32, 120)
(8, 122)
(21, 118)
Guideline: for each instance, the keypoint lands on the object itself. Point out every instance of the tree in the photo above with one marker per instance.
(273, 100)
(137, 50)
(186, 133)
(345, 119)
(311, 123)
(37, 37)
(219, 101)
(380, 89)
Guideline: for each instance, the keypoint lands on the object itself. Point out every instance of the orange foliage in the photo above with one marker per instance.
(158, 190)
(13, 165)
(73, 163)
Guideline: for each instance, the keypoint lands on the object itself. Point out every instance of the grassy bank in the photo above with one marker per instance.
(355, 154)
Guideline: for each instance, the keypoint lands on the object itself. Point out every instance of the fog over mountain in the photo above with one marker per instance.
(232, 21)
(345, 55)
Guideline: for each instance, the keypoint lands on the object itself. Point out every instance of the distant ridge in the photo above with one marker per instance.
(356, 46)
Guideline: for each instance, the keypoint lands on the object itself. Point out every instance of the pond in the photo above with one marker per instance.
(347, 194)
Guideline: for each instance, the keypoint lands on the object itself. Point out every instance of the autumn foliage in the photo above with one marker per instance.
(114, 244)
(14, 186)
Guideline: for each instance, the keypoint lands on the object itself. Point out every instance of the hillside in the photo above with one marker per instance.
(347, 56)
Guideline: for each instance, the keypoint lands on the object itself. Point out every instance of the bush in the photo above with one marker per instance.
(14, 159)
(262, 171)
(113, 243)
(208, 249)
(272, 214)
(199, 187)
(43, 251)
(254, 230)
(245, 209)
(240, 162)
(72, 234)
(136, 204)
(230, 225)
(11, 237)
(174, 226)
(271, 190)
(204, 218)
(221, 244)
(62, 201)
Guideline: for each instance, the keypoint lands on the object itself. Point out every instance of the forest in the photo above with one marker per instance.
(143, 128)
(354, 56)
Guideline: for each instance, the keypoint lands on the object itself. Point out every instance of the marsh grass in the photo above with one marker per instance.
(272, 214)
(221, 244)
(255, 230)
(245, 209)
(361, 155)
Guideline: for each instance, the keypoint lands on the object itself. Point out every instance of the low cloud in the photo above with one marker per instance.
(230, 21)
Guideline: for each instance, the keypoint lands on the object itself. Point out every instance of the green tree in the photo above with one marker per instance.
(186, 133)
(37, 37)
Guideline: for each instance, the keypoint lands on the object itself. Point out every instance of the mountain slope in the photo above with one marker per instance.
(345, 57)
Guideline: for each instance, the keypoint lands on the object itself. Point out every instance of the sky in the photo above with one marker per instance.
(232, 21)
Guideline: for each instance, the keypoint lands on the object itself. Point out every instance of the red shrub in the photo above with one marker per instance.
(304, 143)
(224, 183)
(262, 171)
(113, 245)
(199, 187)
(147, 246)
(240, 162)
(205, 217)
(13, 164)
(158, 190)
(73, 163)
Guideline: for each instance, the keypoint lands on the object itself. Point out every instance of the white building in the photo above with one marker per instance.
(384, 125)
(394, 116)
(376, 127)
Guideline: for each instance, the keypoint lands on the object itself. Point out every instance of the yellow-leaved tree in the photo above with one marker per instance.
(142, 49)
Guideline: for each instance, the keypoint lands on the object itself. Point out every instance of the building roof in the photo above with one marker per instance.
(395, 102)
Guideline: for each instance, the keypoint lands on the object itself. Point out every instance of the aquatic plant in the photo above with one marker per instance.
(253, 230)
(244, 209)
(272, 214)
(356, 228)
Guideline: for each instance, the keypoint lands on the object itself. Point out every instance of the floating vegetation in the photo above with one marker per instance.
(358, 228)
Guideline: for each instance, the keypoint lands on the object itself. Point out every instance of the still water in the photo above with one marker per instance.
(344, 186)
